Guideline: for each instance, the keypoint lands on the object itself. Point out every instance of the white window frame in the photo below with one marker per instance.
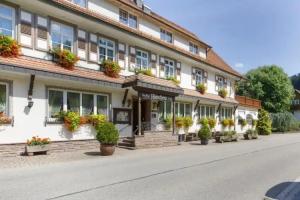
(199, 76)
(85, 3)
(220, 82)
(177, 104)
(61, 35)
(106, 47)
(164, 35)
(142, 59)
(127, 18)
(225, 110)
(13, 25)
(167, 65)
(194, 48)
(7, 97)
(165, 114)
(65, 103)
(205, 107)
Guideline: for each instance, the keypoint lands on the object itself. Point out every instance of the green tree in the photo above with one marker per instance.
(264, 123)
(271, 85)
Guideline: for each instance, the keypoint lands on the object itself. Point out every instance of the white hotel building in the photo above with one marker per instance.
(33, 87)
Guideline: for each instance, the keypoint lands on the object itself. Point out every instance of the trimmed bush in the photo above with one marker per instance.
(107, 133)
(283, 122)
(204, 133)
(203, 121)
(264, 123)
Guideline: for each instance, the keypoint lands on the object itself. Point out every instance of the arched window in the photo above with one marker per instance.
(249, 119)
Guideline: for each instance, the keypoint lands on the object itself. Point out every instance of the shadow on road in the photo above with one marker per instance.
(94, 153)
(284, 191)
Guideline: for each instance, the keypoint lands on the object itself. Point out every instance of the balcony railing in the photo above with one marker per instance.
(246, 101)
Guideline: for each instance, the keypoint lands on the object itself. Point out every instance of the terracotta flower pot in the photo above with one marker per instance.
(107, 149)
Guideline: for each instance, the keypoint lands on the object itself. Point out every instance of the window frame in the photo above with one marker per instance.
(65, 103)
(198, 75)
(225, 110)
(141, 67)
(106, 47)
(220, 79)
(127, 19)
(209, 107)
(13, 19)
(194, 49)
(163, 36)
(179, 104)
(165, 114)
(61, 35)
(169, 66)
(6, 111)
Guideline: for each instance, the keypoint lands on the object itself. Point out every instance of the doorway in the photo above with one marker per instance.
(145, 115)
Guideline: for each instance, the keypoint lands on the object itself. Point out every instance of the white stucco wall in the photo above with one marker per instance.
(105, 8)
(31, 122)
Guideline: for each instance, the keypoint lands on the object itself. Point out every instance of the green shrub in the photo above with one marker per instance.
(264, 123)
(204, 133)
(174, 80)
(212, 122)
(72, 121)
(65, 58)
(223, 93)
(203, 121)
(201, 88)
(98, 119)
(243, 122)
(179, 122)
(107, 133)
(283, 122)
(146, 72)
(168, 121)
(225, 123)
(111, 68)
(187, 122)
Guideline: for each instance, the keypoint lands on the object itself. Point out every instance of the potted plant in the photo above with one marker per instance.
(4, 119)
(168, 122)
(225, 123)
(108, 136)
(97, 119)
(226, 136)
(204, 134)
(250, 134)
(72, 121)
(173, 79)
(230, 123)
(37, 145)
(243, 123)
(111, 68)
(212, 122)
(65, 58)
(8, 47)
(223, 93)
(146, 72)
(201, 88)
(179, 124)
(187, 123)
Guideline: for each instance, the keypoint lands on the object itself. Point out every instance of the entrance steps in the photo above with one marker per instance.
(154, 139)
(127, 143)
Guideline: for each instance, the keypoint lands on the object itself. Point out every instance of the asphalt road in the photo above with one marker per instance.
(247, 170)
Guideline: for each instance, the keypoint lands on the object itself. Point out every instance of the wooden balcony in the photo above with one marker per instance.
(248, 102)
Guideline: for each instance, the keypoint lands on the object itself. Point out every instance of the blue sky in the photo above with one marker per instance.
(246, 33)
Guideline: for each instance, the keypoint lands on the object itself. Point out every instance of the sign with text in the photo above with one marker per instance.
(147, 96)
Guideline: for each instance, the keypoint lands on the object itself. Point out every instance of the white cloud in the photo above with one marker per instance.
(239, 65)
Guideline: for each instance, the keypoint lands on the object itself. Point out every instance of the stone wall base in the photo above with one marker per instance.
(10, 150)
(156, 139)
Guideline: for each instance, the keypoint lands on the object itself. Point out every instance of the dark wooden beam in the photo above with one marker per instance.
(219, 107)
(125, 97)
(197, 105)
(30, 91)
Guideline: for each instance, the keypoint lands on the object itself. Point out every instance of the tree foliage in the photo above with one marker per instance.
(271, 85)
(264, 123)
(296, 81)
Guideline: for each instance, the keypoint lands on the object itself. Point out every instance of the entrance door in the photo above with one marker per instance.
(145, 115)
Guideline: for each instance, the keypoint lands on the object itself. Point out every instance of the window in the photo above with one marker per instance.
(220, 82)
(128, 19)
(249, 119)
(164, 109)
(183, 109)
(142, 59)
(166, 36)
(3, 98)
(194, 48)
(205, 111)
(106, 49)
(82, 3)
(62, 36)
(199, 76)
(169, 68)
(56, 103)
(81, 102)
(7, 21)
(226, 113)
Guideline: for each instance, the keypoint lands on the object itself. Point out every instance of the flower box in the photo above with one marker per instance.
(31, 150)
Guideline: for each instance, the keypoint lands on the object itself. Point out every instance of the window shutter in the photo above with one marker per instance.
(41, 42)
(153, 61)
(121, 51)
(193, 76)
(205, 76)
(93, 48)
(161, 67)
(178, 71)
(26, 33)
(217, 83)
(81, 44)
(132, 57)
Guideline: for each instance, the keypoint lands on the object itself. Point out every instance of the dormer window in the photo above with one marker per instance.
(82, 3)
(166, 36)
(194, 48)
(128, 19)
